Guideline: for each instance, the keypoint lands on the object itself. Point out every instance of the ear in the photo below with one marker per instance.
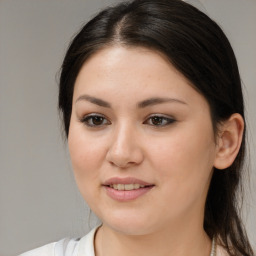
(229, 141)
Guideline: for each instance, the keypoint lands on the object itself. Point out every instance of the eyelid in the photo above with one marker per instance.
(170, 119)
(160, 115)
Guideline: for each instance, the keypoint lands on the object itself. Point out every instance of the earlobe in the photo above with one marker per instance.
(229, 141)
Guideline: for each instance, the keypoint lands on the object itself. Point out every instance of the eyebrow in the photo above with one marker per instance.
(142, 104)
(157, 100)
(94, 100)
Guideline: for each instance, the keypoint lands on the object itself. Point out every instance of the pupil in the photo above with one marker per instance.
(157, 120)
(97, 120)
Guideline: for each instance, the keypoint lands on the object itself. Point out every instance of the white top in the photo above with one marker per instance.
(79, 247)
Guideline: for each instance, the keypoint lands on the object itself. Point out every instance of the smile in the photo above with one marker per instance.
(126, 189)
(126, 186)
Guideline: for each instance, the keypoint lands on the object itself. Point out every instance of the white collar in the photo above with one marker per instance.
(86, 244)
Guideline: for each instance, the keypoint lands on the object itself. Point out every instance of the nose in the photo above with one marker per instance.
(125, 149)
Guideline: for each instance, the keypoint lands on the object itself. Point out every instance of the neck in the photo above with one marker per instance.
(174, 240)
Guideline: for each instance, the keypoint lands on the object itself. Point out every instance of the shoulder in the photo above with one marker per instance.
(46, 250)
(70, 247)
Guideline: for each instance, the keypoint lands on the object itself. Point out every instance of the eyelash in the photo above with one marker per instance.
(161, 118)
(89, 119)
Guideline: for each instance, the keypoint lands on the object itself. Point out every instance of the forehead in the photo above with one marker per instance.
(117, 58)
(119, 61)
(135, 71)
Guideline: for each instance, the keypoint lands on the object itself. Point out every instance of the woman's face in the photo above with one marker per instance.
(141, 141)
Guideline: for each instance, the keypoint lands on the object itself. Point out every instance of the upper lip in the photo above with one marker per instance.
(127, 180)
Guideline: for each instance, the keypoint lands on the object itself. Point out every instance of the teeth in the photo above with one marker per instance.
(126, 186)
(120, 186)
(129, 187)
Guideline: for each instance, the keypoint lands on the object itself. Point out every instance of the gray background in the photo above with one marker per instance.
(39, 201)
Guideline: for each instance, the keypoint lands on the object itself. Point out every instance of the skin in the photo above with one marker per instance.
(176, 156)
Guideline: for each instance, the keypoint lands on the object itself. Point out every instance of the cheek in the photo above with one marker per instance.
(85, 158)
(184, 162)
(86, 155)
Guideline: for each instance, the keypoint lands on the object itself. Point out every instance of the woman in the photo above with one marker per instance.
(153, 112)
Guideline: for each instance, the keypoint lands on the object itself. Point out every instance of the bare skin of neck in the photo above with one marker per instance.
(166, 242)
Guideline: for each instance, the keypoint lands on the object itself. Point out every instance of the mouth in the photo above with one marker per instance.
(126, 189)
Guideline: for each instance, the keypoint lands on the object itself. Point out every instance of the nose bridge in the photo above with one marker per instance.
(123, 135)
(125, 149)
(123, 142)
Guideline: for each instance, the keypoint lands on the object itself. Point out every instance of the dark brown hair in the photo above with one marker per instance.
(197, 47)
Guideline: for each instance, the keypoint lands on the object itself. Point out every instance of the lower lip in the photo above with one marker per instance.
(126, 195)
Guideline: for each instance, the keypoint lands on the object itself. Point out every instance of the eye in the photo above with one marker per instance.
(94, 120)
(158, 120)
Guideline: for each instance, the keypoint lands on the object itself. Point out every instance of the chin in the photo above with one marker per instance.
(129, 225)
(129, 229)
